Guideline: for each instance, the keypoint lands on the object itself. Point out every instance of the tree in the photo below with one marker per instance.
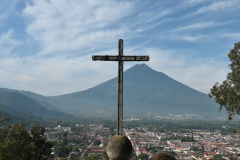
(11, 137)
(44, 147)
(65, 135)
(104, 155)
(17, 144)
(85, 154)
(228, 94)
(97, 142)
(142, 156)
(217, 157)
(61, 151)
(202, 149)
(154, 151)
(94, 157)
(69, 147)
(64, 142)
(75, 149)
(3, 120)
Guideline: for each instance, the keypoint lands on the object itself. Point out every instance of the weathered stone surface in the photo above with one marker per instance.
(119, 148)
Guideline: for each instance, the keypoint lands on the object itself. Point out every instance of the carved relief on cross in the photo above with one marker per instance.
(120, 58)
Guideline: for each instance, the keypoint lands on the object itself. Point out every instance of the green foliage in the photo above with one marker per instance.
(97, 142)
(217, 157)
(69, 147)
(85, 154)
(202, 149)
(194, 148)
(85, 139)
(75, 149)
(11, 137)
(142, 156)
(61, 151)
(44, 147)
(228, 93)
(64, 142)
(92, 158)
(17, 113)
(65, 134)
(3, 120)
(141, 130)
(81, 145)
(153, 151)
(104, 155)
(17, 144)
(150, 129)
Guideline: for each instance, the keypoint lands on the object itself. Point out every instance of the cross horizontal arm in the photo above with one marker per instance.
(120, 58)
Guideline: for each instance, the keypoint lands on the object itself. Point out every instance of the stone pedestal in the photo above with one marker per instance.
(119, 148)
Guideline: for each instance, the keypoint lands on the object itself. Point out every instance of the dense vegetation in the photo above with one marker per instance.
(227, 94)
(17, 144)
(22, 107)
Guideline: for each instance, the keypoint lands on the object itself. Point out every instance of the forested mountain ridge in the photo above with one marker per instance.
(20, 105)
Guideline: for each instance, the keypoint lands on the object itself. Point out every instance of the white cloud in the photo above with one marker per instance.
(197, 26)
(7, 42)
(194, 2)
(76, 25)
(217, 6)
(54, 76)
(192, 38)
(231, 35)
(185, 37)
(61, 75)
(6, 9)
(154, 16)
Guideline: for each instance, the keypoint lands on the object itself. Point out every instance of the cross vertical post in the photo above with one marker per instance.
(120, 89)
(120, 58)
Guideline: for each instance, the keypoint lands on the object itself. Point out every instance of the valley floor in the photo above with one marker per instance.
(81, 140)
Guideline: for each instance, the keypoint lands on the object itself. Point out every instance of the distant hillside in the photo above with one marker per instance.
(42, 100)
(39, 99)
(3, 90)
(15, 114)
(20, 105)
(145, 92)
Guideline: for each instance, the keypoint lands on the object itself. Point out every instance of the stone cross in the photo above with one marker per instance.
(120, 58)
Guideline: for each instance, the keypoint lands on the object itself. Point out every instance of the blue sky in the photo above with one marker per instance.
(46, 46)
